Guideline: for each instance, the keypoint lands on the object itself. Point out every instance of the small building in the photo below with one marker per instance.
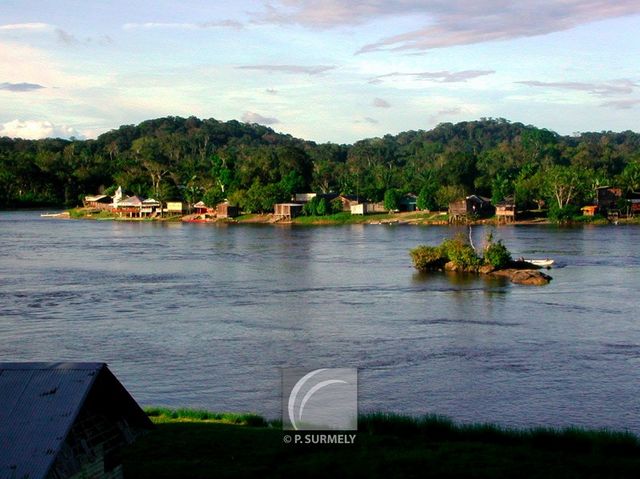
(365, 208)
(473, 205)
(200, 208)
(130, 206)
(150, 207)
(348, 201)
(607, 198)
(225, 210)
(174, 208)
(287, 210)
(589, 210)
(408, 202)
(634, 200)
(506, 210)
(65, 420)
(100, 202)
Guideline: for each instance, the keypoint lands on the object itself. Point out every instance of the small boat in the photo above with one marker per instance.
(544, 263)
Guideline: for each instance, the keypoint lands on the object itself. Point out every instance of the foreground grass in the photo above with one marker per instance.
(200, 444)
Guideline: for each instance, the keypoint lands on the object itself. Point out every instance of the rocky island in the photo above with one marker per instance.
(458, 255)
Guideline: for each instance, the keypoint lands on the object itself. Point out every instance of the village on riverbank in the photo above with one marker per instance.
(609, 206)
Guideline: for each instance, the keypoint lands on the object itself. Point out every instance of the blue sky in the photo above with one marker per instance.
(333, 70)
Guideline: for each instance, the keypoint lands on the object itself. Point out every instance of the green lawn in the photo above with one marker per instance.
(202, 445)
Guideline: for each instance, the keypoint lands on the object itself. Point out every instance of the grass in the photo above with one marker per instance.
(201, 444)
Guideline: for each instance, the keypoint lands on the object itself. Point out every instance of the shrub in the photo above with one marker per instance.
(564, 214)
(427, 258)
(496, 254)
(460, 252)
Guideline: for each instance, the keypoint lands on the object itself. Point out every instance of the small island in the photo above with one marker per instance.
(457, 254)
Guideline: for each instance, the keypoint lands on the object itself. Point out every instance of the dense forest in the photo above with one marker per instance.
(253, 166)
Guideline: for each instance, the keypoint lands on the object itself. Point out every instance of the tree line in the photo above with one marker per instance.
(254, 167)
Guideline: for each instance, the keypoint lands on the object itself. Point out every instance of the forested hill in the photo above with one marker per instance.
(253, 166)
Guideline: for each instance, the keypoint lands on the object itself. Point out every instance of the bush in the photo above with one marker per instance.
(561, 215)
(496, 254)
(460, 252)
(427, 258)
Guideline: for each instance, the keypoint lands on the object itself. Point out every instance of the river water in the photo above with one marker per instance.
(205, 315)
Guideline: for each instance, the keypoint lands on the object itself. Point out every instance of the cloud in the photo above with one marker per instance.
(371, 121)
(448, 23)
(65, 37)
(604, 89)
(20, 87)
(25, 26)
(37, 129)
(271, 91)
(621, 104)
(184, 26)
(456, 110)
(380, 103)
(294, 69)
(252, 117)
(441, 76)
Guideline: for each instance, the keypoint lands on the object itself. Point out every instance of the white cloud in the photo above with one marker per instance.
(294, 69)
(451, 22)
(184, 26)
(252, 117)
(37, 129)
(25, 26)
(380, 103)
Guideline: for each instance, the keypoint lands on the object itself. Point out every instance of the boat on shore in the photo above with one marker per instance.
(64, 214)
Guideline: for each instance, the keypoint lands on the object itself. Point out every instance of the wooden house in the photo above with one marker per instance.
(174, 208)
(408, 202)
(634, 200)
(130, 206)
(225, 210)
(506, 210)
(287, 210)
(200, 208)
(607, 198)
(100, 202)
(471, 206)
(589, 210)
(65, 421)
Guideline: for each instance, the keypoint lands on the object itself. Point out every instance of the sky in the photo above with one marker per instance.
(330, 70)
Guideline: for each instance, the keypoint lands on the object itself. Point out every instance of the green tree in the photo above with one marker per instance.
(392, 199)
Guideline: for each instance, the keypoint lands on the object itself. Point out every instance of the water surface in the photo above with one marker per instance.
(204, 316)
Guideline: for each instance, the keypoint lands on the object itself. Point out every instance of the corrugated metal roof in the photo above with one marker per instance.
(38, 405)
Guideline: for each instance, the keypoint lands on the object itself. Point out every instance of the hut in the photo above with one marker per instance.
(634, 200)
(174, 208)
(408, 202)
(473, 205)
(130, 206)
(225, 210)
(200, 208)
(607, 198)
(100, 202)
(287, 210)
(65, 420)
(149, 207)
(589, 210)
(506, 210)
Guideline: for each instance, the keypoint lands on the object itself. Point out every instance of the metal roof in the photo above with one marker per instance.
(38, 404)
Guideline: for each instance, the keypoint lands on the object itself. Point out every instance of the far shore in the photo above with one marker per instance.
(420, 218)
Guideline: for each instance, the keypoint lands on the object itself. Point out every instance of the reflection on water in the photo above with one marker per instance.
(201, 315)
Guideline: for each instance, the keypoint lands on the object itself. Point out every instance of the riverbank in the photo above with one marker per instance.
(344, 218)
(197, 444)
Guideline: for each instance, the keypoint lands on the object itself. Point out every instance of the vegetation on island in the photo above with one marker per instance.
(200, 444)
(459, 251)
(254, 167)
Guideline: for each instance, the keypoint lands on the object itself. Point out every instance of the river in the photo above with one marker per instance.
(205, 315)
